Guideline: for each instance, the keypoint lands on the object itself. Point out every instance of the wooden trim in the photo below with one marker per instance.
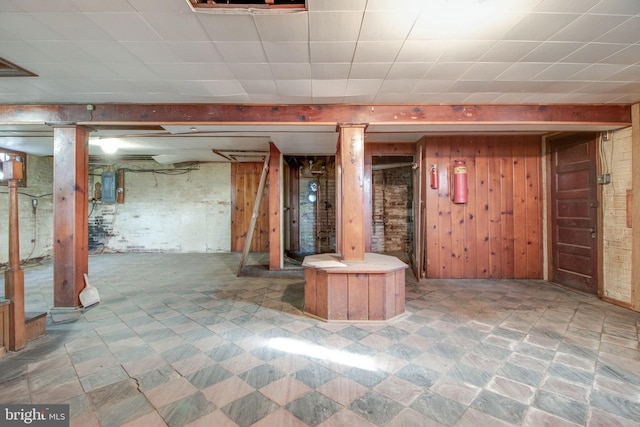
(617, 302)
(635, 186)
(125, 114)
(275, 208)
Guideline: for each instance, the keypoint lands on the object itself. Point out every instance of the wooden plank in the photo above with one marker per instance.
(322, 294)
(482, 245)
(458, 221)
(506, 206)
(310, 291)
(431, 228)
(419, 175)
(352, 161)
(235, 239)
(520, 231)
(378, 296)
(163, 114)
(275, 208)
(444, 207)
(534, 209)
(635, 185)
(337, 297)
(629, 208)
(470, 252)
(358, 299)
(70, 214)
(368, 198)
(494, 205)
(294, 209)
(254, 215)
(400, 291)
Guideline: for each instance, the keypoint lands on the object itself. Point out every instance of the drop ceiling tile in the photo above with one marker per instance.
(287, 52)
(359, 99)
(565, 6)
(193, 71)
(467, 86)
(176, 27)
(408, 70)
(47, 6)
(627, 32)
(65, 52)
(432, 86)
(370, 71)
(540, 26)
(387, 25)
(377, 51)
(135, 71)
(356, 87)
(491, 29)
(259, 86)
(447, 70)
(508, 51)
(330, 71)
(588, 28)
(465, 51)
(301, 88)
(23, 53)
(332, 52)
(122, 26)
(229, 27)
(593, 52)
(153, 52)
(103, 6)
(628, 56)
(334, 26)
(9, 7)
(617, 7)
(26, 27)
(168, 6)
(551, 51)
(291, 71)
(482, 98)
(106, 51)
(522, 71)
(398, 85)
(224, 87)
(559, 72)
(628, 74)
(333, 88)
(335, 5)
(605, 88)
(244, 52)
(485, 70)
(420, 51)
(205, 51)
(289, 27)
(251, 71)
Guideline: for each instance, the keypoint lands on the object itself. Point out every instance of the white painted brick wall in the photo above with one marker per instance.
(616, 235)
(170, 213)
(38, 227)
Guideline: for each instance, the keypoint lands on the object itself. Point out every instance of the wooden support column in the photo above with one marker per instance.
(70, 210)
(275, 208)
(352, 188)
(635, 220)
(14, 275)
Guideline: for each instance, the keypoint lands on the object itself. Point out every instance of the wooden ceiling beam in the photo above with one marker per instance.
(147, 114)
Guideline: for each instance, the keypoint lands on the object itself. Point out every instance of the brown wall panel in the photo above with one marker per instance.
(497, 232)
(245, 179)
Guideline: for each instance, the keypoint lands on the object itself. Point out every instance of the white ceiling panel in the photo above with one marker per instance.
(339, 51)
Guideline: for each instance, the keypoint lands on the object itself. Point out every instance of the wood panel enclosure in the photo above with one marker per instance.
(245, 179)
(498, 232)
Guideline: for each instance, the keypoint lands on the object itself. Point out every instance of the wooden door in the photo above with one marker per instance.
(245, 180)
(574, 215)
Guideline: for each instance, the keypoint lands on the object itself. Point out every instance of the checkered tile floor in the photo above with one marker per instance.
(178, 340)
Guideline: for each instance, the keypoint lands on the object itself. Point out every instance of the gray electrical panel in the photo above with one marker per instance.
(108, 187)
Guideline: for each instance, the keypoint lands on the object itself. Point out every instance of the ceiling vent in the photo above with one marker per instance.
(245, 4)
(9, 69)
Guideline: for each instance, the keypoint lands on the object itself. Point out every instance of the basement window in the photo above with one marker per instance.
(6, 155)
(248, 4)
(9, 69)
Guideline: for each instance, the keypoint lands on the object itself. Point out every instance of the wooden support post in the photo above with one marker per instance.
(635, 186)
(70, 211)
(14, 275)
(275, 208)
(352, 209)
(254, 215)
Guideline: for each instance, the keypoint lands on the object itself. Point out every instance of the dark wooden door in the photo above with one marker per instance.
(574, 212)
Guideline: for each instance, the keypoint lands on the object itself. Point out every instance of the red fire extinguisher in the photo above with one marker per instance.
(434, 176)
(460, 190)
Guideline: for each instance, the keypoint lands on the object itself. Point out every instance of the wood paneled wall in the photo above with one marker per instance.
(245, 178)
(498, 233)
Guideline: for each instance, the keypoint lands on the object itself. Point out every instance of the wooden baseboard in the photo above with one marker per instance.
(617, 302)
(35, 325)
